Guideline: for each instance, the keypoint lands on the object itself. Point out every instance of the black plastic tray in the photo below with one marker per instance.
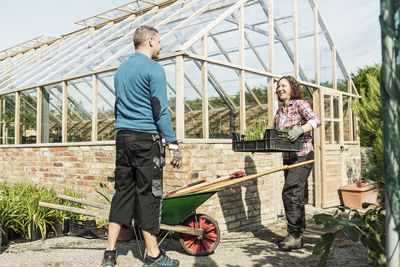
(274, 141)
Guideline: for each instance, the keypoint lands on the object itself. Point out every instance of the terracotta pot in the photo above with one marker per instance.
(353, 195)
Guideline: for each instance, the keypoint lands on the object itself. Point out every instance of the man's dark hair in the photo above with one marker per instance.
(294, 85)
(142, 34)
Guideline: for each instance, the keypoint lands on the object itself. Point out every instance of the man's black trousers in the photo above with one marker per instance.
(140, 158)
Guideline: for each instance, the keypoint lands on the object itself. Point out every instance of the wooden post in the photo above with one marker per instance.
(17, 117)
(351, 131)
(334, 74)
(272, 101)
(273, 104)
(3, 112)
(332, 141)
(180, 107)
(295, 41)
(39, 115)
(242, 105)
(317, 151)
(64, 128)
(341, 133)
(316, 45)
(95, 84)
(45, 129)
(322, 145)
(204, 87)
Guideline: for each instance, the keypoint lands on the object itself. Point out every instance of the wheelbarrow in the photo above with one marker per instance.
(199, 234)
(181, 210)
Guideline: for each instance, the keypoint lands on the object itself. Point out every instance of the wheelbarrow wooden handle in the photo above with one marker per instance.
(197, 188)
(85, 202)
(253, 176)
(173, 191)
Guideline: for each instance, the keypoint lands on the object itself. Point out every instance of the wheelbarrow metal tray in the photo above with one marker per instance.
(176, 208)
(274, 141)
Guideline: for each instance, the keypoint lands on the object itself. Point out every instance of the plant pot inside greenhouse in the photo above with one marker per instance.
(353, 195)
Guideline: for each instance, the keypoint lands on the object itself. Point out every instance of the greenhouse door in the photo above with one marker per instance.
(331, 148)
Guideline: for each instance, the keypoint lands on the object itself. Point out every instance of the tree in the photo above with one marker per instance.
(369, 111)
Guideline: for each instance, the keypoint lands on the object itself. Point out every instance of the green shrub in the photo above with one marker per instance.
(369, 228)
(20, 210)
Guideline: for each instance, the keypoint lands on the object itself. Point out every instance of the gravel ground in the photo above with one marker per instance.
(257, 248)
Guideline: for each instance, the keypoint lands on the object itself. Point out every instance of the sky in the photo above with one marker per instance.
(353, 24)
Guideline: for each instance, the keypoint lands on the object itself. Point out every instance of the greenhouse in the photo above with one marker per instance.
(222, 59)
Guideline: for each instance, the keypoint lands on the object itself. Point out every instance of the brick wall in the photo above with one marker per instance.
(82, 167)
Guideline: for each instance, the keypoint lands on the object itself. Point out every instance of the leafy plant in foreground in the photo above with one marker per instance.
(369, 228)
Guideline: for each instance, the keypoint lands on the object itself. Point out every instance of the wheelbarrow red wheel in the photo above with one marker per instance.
(201, 246)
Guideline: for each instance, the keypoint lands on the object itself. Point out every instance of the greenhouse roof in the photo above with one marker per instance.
(106, 39)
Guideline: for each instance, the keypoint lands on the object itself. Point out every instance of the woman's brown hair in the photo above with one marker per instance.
(294, 85)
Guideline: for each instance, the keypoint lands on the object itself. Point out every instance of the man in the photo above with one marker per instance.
(141, 111)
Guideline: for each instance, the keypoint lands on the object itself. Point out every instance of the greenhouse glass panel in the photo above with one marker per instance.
(59, 51)
(347, 134)
(336, 132)
(327, 106)
(80, 100)
(7, 119)
(52, 62)
(336, 107)
(28, 116)
(105, 107)
(193, 100)
(186, 31)
(306, 41)
(342, 80)
(224, 92)
(325, 61)
(328, 132)
(52, 113)
(169, 67)
(256, 114)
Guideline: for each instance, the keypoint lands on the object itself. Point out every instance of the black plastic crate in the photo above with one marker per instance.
(274, 141)
(86, 228)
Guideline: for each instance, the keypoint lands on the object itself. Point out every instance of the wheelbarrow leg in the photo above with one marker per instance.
(145, 249)
(137, 235)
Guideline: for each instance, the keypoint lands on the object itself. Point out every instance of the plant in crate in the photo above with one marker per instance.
(255, 131)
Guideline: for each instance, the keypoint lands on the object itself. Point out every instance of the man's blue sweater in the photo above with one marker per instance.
(141, 97)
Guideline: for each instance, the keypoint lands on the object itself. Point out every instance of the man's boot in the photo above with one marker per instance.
(291, 242)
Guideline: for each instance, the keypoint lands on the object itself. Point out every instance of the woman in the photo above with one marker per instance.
(296, 116)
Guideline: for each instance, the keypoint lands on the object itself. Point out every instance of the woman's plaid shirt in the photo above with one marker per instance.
(299, 113)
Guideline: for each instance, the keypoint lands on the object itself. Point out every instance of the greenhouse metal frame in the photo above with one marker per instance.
(221, 57)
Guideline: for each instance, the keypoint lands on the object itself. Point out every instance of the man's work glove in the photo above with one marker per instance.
(295, 133)
(176, 155)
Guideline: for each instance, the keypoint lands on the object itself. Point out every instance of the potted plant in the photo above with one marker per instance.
(353, 195)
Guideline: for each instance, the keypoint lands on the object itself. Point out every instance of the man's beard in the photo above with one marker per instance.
(156, 56)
